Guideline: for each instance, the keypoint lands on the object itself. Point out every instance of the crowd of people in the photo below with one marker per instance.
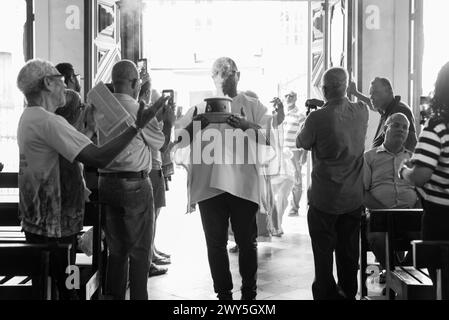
(65, 160)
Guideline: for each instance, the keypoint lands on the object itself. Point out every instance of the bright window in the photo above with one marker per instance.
(12, 20)
(267, 40)
(436, 46)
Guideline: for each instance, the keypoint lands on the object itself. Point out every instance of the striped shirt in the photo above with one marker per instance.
(432, 152)
(291, 125)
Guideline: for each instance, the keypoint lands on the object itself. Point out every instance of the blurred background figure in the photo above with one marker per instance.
(71, 79)
(166, 115)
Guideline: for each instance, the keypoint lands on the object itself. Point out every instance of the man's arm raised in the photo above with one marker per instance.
(100, 157)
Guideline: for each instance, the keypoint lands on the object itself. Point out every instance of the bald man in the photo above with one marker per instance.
(126, 192)
(336, 135)
(383, 188)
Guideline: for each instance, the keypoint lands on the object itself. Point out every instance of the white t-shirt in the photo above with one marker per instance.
(43, 138)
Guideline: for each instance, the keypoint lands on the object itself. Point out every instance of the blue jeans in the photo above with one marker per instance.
(129, 214)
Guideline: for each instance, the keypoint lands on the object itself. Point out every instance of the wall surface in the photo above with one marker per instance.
(59, 32)
(385, 52)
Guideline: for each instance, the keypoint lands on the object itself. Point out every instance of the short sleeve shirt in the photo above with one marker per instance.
(336, 135)
(432, 152)
(44, 138)
(382, 181)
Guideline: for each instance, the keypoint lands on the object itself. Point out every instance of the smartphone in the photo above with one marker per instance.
(142, 67)
(169, 93)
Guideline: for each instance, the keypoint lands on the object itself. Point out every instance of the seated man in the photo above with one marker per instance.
(383, 188)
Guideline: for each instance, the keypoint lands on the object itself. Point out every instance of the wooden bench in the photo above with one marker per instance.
(91, 268)
(19, 263)
(402, 282)
(434, 254)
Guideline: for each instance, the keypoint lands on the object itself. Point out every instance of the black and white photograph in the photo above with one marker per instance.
(186, 152)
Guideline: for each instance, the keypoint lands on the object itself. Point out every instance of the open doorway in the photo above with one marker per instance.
(436, 48)
(267, 39)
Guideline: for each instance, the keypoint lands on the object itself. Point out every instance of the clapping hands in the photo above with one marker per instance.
(145, 113)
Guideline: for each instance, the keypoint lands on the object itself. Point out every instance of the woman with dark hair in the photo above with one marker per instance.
(428, 169)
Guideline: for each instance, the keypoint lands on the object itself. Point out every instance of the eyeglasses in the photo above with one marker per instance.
(60, 76)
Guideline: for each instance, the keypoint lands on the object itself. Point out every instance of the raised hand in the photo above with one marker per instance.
(352, 88)
(145, 114)
(168, 115)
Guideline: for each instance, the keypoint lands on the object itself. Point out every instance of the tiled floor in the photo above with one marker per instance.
(285, 264)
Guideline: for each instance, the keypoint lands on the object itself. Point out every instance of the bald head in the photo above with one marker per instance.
(125, 78)
(397, 117)
(335, 83)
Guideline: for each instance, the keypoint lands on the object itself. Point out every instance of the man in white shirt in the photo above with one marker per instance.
(229, 191)
(126, 193)
(294, 119)
(43, 137)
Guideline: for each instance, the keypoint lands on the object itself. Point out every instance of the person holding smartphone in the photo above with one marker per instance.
(166, 118)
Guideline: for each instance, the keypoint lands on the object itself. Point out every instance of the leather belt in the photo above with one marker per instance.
(125, 175)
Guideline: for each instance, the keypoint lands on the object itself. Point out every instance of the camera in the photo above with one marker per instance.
(277, 102)
(313, 104)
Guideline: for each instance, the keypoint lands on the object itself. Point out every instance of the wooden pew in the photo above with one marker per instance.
(433, 254)
(20, 262)
(91, 268)
(402, 282)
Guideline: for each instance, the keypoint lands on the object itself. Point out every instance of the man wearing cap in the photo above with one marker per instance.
(71, 79)
(43, 137)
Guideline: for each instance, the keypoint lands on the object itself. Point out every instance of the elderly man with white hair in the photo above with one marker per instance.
(43, 137)
(336, 135)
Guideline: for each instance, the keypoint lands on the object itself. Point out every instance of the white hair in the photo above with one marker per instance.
(29, 80)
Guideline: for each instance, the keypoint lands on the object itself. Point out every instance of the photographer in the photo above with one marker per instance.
(336, 135)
